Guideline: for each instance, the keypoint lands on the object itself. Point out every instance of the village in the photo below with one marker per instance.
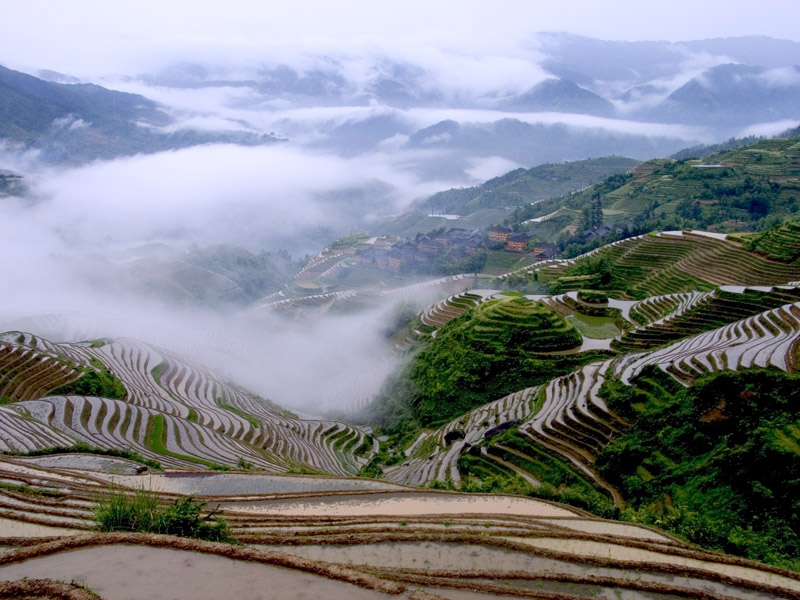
(458, 244)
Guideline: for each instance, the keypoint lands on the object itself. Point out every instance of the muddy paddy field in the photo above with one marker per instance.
(323, 537)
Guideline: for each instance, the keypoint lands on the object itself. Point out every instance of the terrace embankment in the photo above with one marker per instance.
(367, 543)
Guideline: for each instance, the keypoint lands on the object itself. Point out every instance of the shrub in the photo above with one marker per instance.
(592, 296)
(97, 381)
(143, 513)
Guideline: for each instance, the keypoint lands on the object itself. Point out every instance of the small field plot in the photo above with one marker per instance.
(594, 327)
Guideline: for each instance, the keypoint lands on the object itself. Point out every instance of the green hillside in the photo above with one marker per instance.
(658, 264)
(493, 349)
(755, 186)
(687, 423)
(780, 243)
(523, 186)
(718, 463)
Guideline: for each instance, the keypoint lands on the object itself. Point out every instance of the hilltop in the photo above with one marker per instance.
(527, 186)
(579, 204)
(79, 122)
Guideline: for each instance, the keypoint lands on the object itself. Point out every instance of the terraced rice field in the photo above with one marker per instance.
(711, 306)
(438, 314)
(768, 339)
(404, 543)
(731, 327)
(433, 456)
(174, 412)
(686, 333)
(676, 316)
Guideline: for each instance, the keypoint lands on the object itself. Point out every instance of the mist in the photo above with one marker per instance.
(62, 288)
(353, 114)
(66, 257)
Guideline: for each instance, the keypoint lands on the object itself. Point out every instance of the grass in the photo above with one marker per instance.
(26, 489)
(238, 411)
(156, 441)
(142, 512)
(158, 371)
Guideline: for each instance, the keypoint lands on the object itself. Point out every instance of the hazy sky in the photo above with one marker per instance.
(98, 36)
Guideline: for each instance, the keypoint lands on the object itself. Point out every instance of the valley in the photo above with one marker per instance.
(440, 301)
(688, 308)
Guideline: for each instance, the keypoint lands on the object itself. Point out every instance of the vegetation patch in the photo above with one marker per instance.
(238, 411)
(779, 243)
(142, 512)
(97, 381)
(498, 347)
(158, 371)
(592, 296)
(156, 440)
(26, 489)
(718, 463)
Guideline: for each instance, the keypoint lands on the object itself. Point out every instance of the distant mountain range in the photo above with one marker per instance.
(75, 122)
(753, 79)
(575, 98)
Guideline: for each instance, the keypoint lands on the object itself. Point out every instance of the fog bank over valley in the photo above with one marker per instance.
(179, 173)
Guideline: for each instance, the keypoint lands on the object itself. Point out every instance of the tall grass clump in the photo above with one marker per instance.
(141, 512)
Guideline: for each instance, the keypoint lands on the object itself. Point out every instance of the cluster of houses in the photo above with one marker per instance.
(599, 232)
(458, 243)
(521, 242)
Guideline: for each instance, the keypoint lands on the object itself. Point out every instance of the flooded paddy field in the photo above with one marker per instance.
(144, 573)
(406, 503)
(86, 462)
(247, 484)
(502, 567)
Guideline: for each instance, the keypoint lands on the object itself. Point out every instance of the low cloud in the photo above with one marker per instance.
(782, 78)
(482, 169)
(768, 129)
(219, 193)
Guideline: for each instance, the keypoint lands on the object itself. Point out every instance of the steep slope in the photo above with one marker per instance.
(159, 406)
(726, 93)
(487, 352)
(29, 106)
(585, 435)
